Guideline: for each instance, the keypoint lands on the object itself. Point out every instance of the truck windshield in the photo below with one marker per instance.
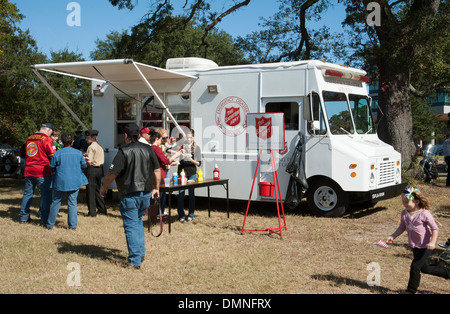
(362, 114)
(338, 112)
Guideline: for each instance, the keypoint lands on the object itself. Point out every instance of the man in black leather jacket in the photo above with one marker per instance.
(136, 171)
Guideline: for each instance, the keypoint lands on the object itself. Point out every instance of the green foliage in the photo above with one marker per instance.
(425, 125)
(155, 46)
(412, 37)
(25, 103)
(283, 39)
(408, 54)
(17, 51)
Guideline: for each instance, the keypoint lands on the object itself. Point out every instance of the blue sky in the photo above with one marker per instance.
(47, 21)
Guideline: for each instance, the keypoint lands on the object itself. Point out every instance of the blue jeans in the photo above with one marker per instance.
(72, 197)
(46, 197)
(132, 207)
(180, 205)
(447, 161)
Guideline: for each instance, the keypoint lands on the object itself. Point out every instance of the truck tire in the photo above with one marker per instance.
(325, 198)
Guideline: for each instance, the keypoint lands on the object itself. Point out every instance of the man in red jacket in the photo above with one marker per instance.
(39, 150)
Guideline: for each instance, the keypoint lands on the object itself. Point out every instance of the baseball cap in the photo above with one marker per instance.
(48, 125)
(91, 133)
(145, 130)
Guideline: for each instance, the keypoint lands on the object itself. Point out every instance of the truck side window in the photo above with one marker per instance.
(126, 112)
(290, 110)
(180, 107)
(152, 113)
(317, 126)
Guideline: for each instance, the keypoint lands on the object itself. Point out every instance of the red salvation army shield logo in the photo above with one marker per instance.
(231, 116)
(264, 128)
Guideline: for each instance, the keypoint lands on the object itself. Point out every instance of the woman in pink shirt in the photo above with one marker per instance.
(422, 234)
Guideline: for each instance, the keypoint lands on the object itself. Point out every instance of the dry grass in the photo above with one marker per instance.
(209, 255)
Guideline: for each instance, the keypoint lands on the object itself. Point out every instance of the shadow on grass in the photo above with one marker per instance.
(360, 211)
(92, 251)
(269, 208)
(12, 183)
(342, 281)
(338, 281)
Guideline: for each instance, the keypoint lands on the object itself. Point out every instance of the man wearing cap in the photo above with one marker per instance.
(145, 136)
(136, 171)
(39, 150)
(94, 159)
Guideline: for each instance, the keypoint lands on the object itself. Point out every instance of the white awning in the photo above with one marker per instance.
(114, 71)
(119, 70)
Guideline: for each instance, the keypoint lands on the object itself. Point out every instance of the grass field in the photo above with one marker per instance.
(209, 255)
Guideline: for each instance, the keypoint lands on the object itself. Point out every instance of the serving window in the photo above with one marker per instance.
(126, 112)
(145, 111)
(290, 110)
(180, 107)
(152, 113)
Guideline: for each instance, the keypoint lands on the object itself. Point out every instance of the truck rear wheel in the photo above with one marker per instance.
(326, 198)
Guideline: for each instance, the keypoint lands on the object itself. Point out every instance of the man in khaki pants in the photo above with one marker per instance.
(94, 173)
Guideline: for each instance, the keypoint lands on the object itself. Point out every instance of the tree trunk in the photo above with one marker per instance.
(396, 123)
(395, 62)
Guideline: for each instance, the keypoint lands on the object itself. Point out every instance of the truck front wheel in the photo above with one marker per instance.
(326, 198)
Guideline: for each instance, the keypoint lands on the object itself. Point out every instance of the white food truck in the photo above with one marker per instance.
(345, 161)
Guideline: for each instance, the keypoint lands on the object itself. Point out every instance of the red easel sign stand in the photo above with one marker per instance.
(277, 230)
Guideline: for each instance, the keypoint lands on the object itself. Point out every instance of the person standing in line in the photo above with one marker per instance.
(189, 161)
(67, 163)
(39, 150)
(446, 148)
(164, 161)
(79, 141)
(137, 173)
(145, 136)
(55, 139)
(95, 157)
(165, 145)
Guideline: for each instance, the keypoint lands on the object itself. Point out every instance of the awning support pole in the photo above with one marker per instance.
(158, 99)
(43, 80)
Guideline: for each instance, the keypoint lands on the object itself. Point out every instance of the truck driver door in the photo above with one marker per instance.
(291, 108)
(317, 143)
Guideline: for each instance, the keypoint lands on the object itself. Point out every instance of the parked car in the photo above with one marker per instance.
(10, 160)
(428, 150)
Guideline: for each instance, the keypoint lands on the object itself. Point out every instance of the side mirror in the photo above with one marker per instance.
(307, 109)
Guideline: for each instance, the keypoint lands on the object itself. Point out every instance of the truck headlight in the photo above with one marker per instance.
(372, 178)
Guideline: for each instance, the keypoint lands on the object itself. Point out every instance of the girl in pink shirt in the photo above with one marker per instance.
(422, 234)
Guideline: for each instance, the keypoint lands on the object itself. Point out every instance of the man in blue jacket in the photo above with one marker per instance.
(67, 164)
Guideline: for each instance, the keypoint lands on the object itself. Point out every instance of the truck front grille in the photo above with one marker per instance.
(386, 173)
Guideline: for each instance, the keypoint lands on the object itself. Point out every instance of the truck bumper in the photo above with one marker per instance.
(378, 194)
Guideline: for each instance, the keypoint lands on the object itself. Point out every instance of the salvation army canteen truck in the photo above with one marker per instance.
(325, 105)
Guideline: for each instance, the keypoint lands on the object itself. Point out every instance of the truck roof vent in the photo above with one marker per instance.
(190, 63)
